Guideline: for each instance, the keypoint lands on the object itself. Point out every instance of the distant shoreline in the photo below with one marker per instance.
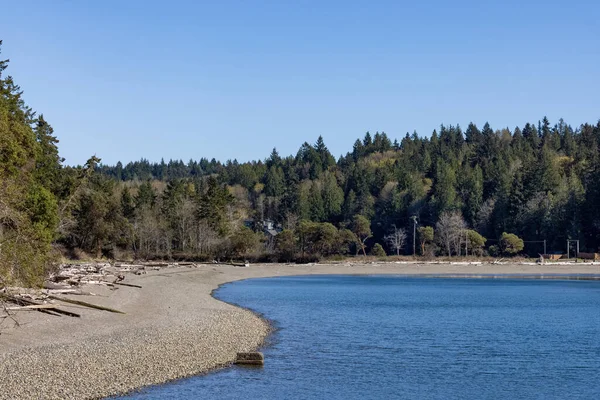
(174, 327)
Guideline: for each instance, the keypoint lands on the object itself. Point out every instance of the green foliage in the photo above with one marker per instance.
(425, 237)
(315, 200)
(43, 211)
(213, 206)
(127, 204)
(285, 245)
(494, 250)
(378, 250)
(48, 162)
(146, 196)
(28, 207)
(274, 181)
(347, 240)
(444, 188)
(333, 197)
(99, 224)
(317, 238)
(244, 241)
(510, 244)
(475, 242)
(361, 227)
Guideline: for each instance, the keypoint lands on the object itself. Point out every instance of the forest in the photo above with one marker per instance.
(479, 191)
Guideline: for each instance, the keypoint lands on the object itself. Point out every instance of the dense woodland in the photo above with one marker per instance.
(477, 191)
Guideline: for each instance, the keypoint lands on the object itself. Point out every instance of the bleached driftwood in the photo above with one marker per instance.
(33, 307)
(54, 310)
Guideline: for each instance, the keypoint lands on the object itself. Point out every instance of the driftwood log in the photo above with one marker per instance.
(54, 310)
(251, 358)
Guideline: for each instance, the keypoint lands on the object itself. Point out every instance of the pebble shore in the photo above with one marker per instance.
(109, 365)
(173, 329)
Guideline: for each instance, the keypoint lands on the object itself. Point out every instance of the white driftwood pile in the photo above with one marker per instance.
(69, 280)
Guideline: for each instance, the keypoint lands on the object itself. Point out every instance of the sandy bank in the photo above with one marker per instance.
(172, 328)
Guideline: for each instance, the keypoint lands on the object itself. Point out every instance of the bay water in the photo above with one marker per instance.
(383, 337)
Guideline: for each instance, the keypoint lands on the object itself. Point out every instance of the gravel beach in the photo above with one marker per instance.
(172, 328)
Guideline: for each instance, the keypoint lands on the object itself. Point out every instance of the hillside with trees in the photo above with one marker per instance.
(483, 190)
(455, 193)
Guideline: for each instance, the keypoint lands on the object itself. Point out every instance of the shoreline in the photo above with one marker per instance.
(174, 327)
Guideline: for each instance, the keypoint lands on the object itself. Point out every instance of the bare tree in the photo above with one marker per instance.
(185, 223)
(207, 240)
(449, 227)
(291, 221)
(396, 239)
(484, 215)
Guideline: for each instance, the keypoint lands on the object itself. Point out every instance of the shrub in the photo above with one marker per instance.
(511, 244)
(476, 242)
(425, 237)
(378, 251)
(285, 245)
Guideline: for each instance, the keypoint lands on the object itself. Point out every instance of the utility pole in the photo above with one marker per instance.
(414, 218)
(545, 247)
(568, 255)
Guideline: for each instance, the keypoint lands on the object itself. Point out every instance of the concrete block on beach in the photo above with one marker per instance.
(252, 358)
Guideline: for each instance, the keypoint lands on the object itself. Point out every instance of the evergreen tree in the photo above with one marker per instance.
(146, 196)
(212, 208)
(333, 197)
(325, 156)
(127, 204)
(274, 181)
(48, 161)
(315, 198)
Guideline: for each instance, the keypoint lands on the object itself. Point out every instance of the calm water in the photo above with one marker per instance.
(350, 337)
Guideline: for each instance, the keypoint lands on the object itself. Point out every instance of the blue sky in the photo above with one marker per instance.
(233, 79)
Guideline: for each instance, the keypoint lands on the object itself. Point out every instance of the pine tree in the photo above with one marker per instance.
(146, 196)
(48, 162)
(127, 204)
(325, 156)
(274, 181)
(333, 197)
(315, 199)
(212, 208)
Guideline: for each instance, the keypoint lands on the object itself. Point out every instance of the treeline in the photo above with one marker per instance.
(478, 191)
(538, 182)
